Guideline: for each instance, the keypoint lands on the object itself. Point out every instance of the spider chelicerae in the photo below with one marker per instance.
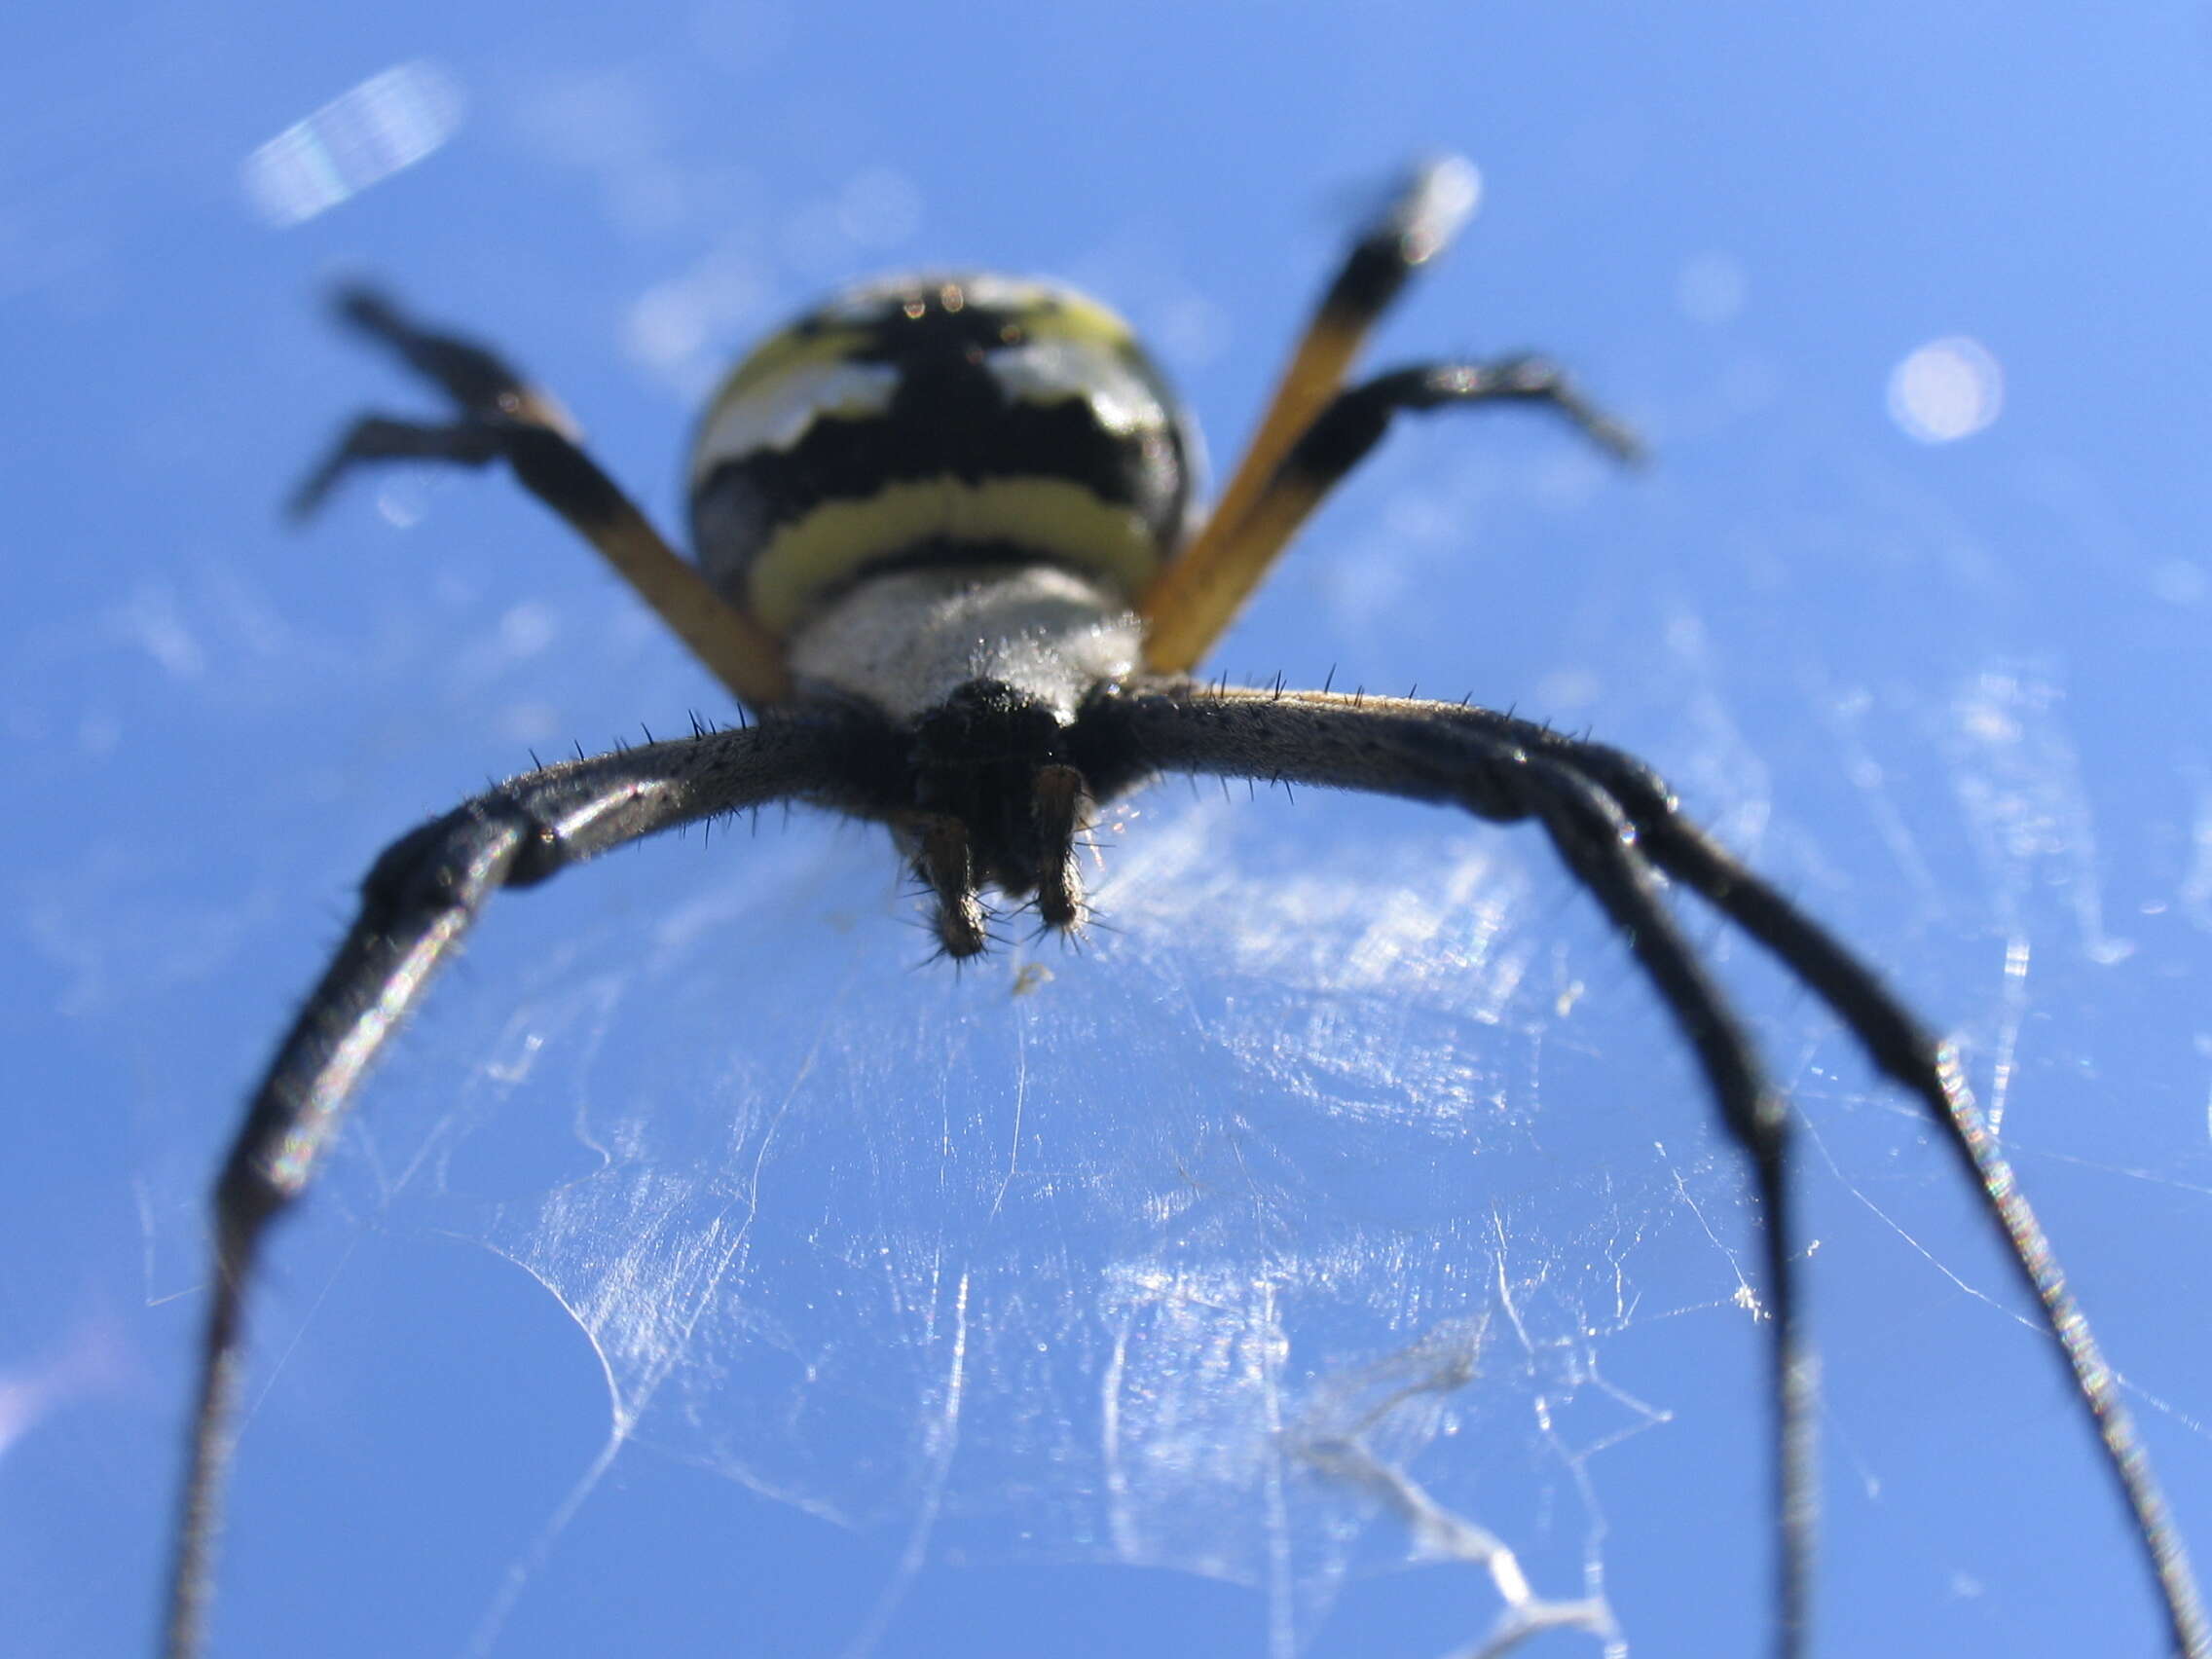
(946, 556)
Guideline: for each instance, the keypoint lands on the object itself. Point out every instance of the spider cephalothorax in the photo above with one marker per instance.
(946, 552)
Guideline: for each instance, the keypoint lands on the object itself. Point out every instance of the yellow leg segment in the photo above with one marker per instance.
(731, 645)
(1199, 592)
(502, 417)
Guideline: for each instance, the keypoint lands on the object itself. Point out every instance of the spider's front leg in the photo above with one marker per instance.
(499, 416)
(417, 902)
(1617, 828)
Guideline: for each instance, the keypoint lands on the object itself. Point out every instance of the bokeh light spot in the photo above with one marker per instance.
(388, 122)
(1947, 389)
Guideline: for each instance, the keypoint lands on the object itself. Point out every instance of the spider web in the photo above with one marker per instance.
(1160, 1255)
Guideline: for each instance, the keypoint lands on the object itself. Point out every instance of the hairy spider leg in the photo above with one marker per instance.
(421, 898)
(1478, 760)
(502, 417)
(1617, 827)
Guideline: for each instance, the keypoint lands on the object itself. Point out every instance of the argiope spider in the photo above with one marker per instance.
(946, 555)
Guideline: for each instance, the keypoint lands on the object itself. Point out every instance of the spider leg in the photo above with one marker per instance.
(1416, 225)
(500, 417)
(1927, 1066)
(1063, 807)
(1615, 824)
(478, 379)
(382, 437)
(945, 862)
(1200, 596)
(418, 901)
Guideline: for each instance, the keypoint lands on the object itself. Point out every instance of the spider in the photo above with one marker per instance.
(947, 557)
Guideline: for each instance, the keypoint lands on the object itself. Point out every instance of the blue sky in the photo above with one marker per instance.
(707, 1274)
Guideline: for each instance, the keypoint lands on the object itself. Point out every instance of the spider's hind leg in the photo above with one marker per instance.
(1616, 825)
(1509, 771)
(488, 393)
(499, 416)
(1343, 434)
(1315, 431)
(381, 437)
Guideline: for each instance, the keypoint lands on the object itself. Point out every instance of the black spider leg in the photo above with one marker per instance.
(495, 406)
(1355, 419)
(499, 416)
(1062, 802)
(420, 899)
(1614, 822)
(944, 859)
(1928, 1067)
(1352, 423)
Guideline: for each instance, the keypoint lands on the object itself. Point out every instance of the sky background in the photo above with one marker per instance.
(709, 1274)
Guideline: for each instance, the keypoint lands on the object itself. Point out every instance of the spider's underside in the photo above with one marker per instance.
(945, 552)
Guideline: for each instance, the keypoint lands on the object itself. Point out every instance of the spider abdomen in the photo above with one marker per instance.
(934, 420)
